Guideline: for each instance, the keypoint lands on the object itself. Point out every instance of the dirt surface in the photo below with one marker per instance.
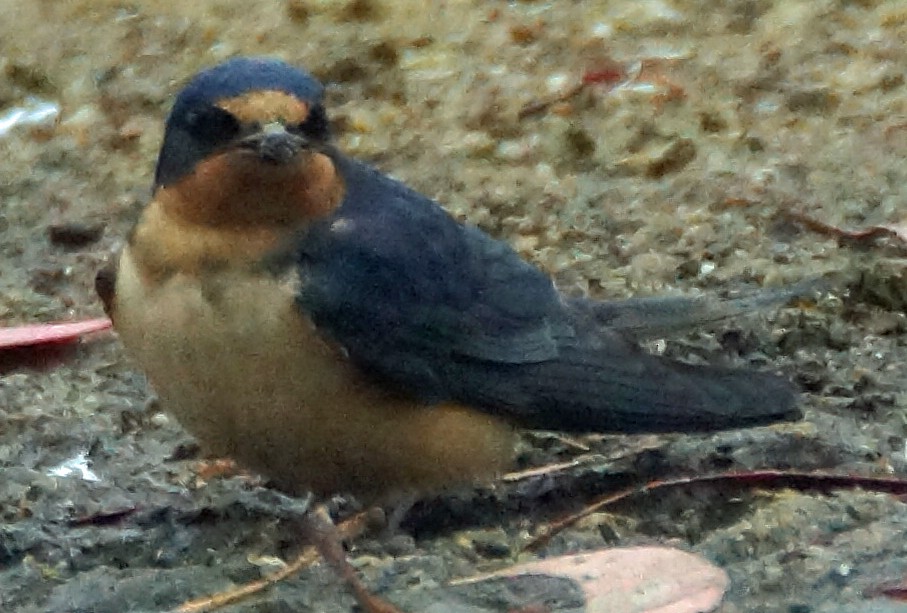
(675, 170)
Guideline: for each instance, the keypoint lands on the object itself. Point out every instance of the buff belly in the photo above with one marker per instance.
(234, 360)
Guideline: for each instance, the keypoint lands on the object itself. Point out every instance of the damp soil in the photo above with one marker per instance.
(705, 132)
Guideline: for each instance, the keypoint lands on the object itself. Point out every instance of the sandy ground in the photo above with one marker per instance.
(676, 170)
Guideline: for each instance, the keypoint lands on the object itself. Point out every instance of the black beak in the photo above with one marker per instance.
(274, 144)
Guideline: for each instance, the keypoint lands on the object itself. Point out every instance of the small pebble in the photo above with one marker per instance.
(75, 234)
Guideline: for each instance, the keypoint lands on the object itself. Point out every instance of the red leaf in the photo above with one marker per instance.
(633, 579)
(39, 334)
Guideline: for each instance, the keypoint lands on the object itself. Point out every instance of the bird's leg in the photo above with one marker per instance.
(325, 539)
(324, 536)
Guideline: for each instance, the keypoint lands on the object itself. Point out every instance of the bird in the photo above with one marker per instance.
(338, 332)
(330, 328)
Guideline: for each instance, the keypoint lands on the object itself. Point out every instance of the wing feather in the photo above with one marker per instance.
(446, 313)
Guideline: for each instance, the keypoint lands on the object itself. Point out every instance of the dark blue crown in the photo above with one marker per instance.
(243, 74)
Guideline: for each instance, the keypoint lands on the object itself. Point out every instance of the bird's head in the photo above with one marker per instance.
(247, 141)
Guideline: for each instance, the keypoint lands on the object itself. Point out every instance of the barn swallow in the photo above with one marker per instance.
(336, 331)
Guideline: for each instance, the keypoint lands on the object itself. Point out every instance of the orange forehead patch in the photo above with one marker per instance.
(266, 106)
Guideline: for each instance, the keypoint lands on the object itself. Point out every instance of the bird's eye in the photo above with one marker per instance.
(315, 126)
(212, 124)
